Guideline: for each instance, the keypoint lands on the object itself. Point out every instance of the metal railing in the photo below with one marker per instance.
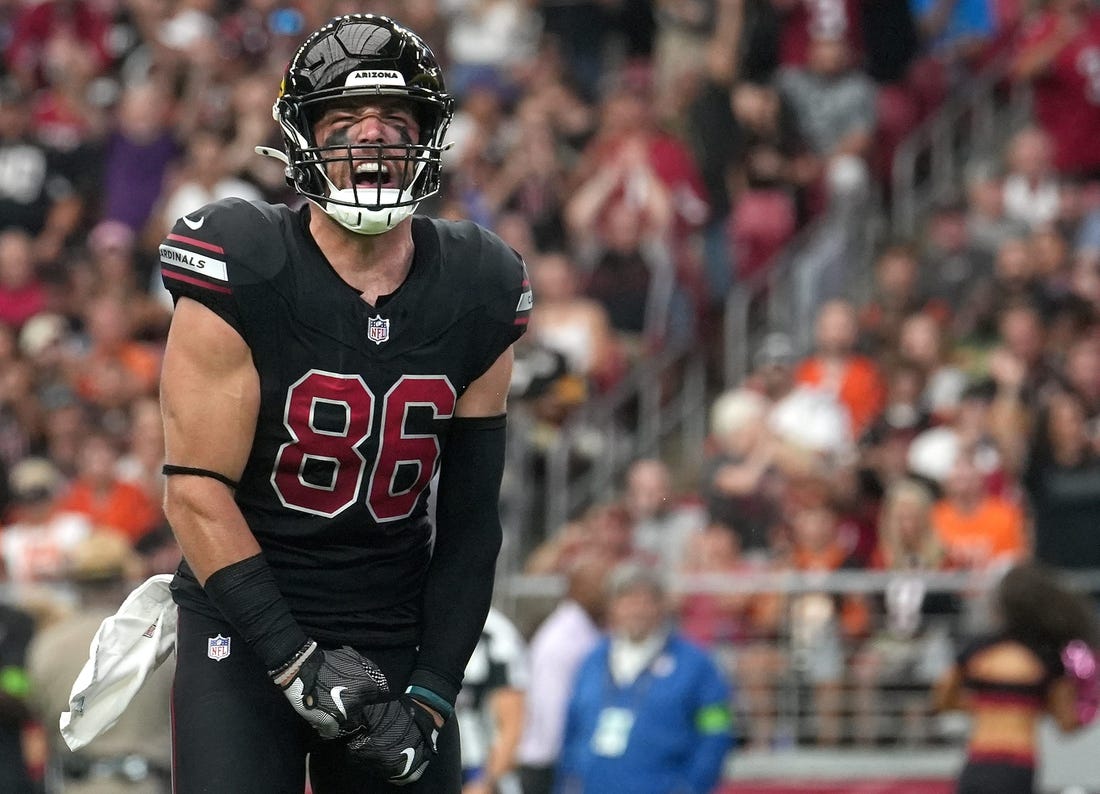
(665, 397)
(829, 258)
(974, 123)
(658, 409)
(659, 398)
(876, 705)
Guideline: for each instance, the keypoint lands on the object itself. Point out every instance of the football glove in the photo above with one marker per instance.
(397, 741)
(328, 688)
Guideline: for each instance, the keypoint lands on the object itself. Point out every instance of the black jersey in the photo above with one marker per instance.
(355, 400)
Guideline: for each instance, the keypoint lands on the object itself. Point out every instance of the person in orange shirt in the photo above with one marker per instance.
(837, 368)
(107, 501)
(117, 369)
(977, 529)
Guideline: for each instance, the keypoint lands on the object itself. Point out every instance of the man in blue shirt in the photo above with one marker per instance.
(650, 711)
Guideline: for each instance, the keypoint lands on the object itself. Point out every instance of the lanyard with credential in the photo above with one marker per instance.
(615, 722)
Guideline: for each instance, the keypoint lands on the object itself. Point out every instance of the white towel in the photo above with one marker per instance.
(126, 649)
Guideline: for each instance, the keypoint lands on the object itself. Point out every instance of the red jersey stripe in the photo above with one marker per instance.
(179, 238)
(197, 282)
(1007, 698)
(1012, 757)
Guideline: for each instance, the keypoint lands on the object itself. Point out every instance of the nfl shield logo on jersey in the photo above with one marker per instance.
(378, 329)
(217, 648)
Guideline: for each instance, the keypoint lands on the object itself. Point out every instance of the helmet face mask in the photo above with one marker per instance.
(367, 186)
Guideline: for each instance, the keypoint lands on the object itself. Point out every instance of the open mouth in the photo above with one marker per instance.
(374, 175)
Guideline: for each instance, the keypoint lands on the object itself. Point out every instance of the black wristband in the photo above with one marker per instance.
(248, 597)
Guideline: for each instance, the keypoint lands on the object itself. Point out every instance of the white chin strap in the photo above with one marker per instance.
(355, 218)
(367, 221)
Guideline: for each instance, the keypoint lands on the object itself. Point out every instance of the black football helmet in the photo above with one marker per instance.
(363, 55)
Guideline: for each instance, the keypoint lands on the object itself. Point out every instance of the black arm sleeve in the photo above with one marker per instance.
(246, 594)
(459, 586)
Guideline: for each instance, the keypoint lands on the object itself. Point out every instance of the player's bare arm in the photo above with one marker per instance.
(488, 395)
(210, 398)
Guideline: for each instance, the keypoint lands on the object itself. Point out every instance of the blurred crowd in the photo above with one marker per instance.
(643, 156)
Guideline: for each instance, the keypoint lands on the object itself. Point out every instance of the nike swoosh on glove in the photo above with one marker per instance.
(397, 741)
(328, 688)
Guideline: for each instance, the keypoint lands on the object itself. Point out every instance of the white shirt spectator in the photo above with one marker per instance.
(495, 33)
(1031, 204)
(35, 553)
(813, 418)
(557, 648)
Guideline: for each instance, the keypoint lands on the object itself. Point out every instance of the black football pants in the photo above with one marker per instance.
(233, 731)
(994, 777)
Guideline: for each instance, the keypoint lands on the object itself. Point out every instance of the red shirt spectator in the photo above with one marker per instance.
(1060, 53)
(61, 121)
(22, 295)
(628, 122)
(805, 20)
(711, 618)
(41, 22)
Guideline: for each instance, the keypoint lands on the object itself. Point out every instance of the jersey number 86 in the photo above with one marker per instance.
(336, 450)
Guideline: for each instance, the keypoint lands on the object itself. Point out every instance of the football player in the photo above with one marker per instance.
(322, 365)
